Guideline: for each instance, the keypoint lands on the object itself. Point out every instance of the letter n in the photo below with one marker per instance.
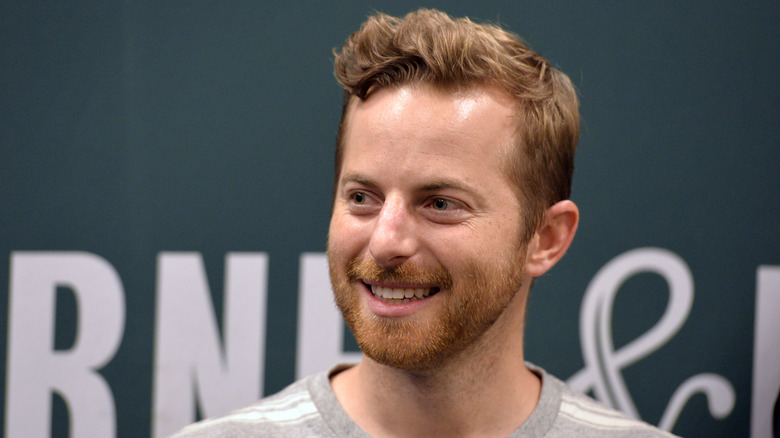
(36, 369)
(192, 366)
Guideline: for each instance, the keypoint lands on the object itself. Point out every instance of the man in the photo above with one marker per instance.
(453, 172)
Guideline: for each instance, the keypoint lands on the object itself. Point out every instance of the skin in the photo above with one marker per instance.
(421, 187)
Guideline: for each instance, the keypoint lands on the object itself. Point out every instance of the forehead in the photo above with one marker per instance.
(414, 137)
(417, 118)
(460, 99)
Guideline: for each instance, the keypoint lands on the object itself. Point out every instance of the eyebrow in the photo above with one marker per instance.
(358, 179)
(445, 184)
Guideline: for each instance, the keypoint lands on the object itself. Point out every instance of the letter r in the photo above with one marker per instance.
(35, 369)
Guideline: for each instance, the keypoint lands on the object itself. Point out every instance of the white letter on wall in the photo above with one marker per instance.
(35, 369)
(188, 351)
(766, 356)
(320, 327)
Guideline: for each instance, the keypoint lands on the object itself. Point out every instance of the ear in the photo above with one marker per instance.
(552, 238)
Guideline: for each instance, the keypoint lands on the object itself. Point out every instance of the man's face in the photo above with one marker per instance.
(424, 244)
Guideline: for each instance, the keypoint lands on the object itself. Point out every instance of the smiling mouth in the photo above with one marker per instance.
(401, 295)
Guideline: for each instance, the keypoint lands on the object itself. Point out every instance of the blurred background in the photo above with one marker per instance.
(134, 129)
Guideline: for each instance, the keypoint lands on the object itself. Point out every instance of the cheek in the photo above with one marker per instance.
(487, 241)
(455, 250)
(507, 227)
(345, 237)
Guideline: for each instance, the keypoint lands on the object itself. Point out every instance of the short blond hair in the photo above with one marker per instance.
(430, 47)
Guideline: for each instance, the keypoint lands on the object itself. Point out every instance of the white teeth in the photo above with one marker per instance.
(405, 295)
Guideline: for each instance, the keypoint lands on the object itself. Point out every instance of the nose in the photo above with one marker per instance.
(393, 238)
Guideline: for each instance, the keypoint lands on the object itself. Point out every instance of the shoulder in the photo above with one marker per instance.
(580, 415)
(563, 412)
(286, 412)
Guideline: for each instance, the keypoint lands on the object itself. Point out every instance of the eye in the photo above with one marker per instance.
(361, 202)
(440, 204)
(445, 210)
(359, 198)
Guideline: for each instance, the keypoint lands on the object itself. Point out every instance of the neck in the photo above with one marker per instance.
(485, 391)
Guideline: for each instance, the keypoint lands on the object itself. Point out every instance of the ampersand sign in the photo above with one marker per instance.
(603, 364)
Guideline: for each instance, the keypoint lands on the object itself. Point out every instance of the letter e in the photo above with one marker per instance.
(320, 326)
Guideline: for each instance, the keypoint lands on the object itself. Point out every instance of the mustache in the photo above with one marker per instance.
(406, 273)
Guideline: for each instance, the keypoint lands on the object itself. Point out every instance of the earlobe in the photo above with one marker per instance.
(552, 238)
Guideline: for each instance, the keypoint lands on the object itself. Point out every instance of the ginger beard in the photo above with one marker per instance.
(474, 300)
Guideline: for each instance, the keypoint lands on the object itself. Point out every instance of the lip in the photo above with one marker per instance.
(381, 308)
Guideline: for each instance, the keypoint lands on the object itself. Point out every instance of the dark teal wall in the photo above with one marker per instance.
(132, 128)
